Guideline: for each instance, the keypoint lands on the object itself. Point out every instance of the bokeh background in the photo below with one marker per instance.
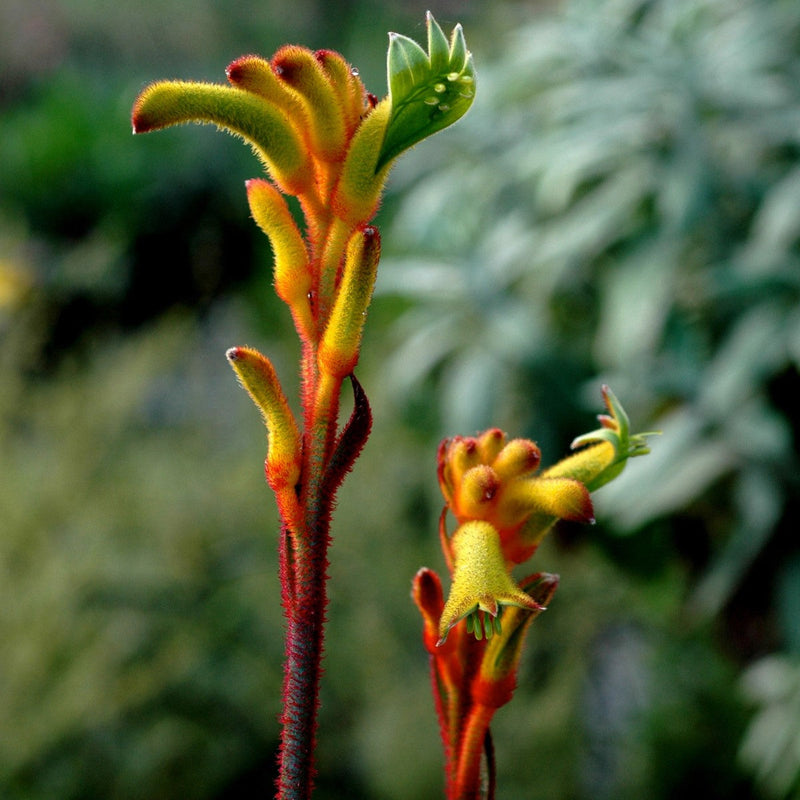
(621, 205)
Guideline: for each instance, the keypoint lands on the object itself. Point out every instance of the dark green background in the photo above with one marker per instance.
(621, 205)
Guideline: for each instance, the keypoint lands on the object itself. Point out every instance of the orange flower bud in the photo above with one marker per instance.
(256, 75)
(427, 594)
(517, 458)
(491, 479)
(347, 85)
(490, 444)
(292, 272)
(560, 498)
(475, 496)
(454, 458)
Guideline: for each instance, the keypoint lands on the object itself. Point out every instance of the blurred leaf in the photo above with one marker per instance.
(776, 227)
(758, 508)
(788, 604)
(771, 746)
(752, 350)
(684, 462)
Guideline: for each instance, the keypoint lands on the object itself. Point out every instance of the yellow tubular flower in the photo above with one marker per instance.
(293, 280)
(341, 341)
(257, 375)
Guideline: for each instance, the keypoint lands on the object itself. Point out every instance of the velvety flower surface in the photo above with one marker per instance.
(480, 578)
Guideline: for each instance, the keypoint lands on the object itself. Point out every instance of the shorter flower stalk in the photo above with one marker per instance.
(502, 507)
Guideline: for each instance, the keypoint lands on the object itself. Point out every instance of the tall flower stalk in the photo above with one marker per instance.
(323, 139)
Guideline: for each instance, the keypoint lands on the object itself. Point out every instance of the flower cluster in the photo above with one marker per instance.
(502, 508)
(323, 139)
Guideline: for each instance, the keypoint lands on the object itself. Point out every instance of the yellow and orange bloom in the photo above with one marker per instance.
(503, 506)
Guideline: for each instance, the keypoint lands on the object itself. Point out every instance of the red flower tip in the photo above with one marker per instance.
(140, 122)
(490, 444)
(566, 498)
(517, 458)
(289, 61)
(427, 592)
(324, 55)
(234, 70)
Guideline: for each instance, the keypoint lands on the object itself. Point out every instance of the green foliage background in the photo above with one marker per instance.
(621, 205)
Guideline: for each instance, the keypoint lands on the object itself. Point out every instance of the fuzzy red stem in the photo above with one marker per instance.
(304, 644)
(325, 461)
(454, 707)
(491, 766)
(473, 741)
(304, 566)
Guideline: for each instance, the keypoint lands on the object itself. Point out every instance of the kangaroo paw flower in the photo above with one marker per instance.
(328, 143)
(257, 375)
(341, 341)
(493, 479)
(260, 124)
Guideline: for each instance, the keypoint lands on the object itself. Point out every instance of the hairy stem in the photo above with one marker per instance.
(473, 744)
(304, 642)
(304, 575)
(491, 766)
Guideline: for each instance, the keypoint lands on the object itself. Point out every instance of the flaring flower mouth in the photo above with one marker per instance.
(481, 580)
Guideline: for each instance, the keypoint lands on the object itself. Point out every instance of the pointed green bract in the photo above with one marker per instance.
(458, 46)
(615, 430)
(428, 91)
(407, 64)
(438, 47)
